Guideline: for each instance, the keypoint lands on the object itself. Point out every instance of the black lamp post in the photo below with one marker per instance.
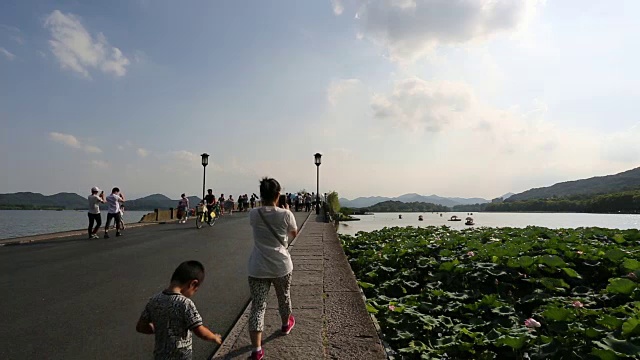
(205, 162)
(318, 161)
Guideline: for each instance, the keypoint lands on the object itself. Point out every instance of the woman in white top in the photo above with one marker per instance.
(270, 262)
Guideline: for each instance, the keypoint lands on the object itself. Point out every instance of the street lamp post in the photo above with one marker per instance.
(205, 162)
(317, 161)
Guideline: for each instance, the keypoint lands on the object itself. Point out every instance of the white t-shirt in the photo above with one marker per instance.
(113, 201)
(269, 258)
(94, 204)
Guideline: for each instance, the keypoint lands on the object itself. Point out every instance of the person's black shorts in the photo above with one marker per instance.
(117, 219)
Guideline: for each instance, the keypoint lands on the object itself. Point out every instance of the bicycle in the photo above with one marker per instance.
(201, 216)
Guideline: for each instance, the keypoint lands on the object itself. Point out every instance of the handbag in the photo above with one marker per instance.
(280, 240)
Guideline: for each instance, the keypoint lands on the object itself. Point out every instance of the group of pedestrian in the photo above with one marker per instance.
(300, 201)
(115, 211)
(244, 201)
(172, 316)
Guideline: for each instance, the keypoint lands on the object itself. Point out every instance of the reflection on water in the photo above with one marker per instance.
(15, 223)
(550, 220)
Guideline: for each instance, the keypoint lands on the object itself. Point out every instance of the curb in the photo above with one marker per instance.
(25, 240)
(238, 328)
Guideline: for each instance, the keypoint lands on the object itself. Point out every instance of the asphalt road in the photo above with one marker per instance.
(81, 299)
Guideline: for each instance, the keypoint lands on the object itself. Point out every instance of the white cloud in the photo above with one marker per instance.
(409, 29)
(443, 138)
(424, 106)
(92, 149)
(142, 152)
(13, 33)
(99, 164)
(66, 139)
(76, 49)
(187, 156)
(9, 55)
(337, 6)
(72, 142)
(337, 88)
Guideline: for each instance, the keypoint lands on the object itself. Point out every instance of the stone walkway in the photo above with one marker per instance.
(331, 318)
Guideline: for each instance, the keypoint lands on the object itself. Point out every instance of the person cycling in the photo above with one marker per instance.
(210, 202)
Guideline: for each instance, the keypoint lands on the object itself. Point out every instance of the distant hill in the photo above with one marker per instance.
(70, 201)
(363, 202)
(399, 206)
(35, 200)
(624, 181)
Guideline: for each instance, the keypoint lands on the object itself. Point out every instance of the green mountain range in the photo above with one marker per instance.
(70, 201)
(624, 181)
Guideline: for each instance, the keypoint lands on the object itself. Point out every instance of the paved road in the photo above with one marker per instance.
(80, 299)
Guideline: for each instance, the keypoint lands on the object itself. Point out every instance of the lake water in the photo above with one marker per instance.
(518, 220)
(16, 223)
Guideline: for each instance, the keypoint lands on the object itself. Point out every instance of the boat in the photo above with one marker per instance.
(420, 218)
(455, 218)
(400, 216)
(469, 221)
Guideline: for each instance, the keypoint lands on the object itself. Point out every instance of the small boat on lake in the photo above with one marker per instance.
(455, 218)
(420, 218)
(469, 221)
(400, 216)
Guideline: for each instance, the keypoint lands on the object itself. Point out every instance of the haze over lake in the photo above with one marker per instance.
(519, 220)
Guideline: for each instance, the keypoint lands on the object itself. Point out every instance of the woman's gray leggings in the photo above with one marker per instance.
(259, 289)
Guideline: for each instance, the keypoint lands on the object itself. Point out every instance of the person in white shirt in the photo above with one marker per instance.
(270, 262)
(114, 200)
(183, 208)
(94, 211)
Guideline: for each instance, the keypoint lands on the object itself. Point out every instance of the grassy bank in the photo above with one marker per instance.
(445, 294)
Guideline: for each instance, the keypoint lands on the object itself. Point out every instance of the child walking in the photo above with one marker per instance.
(171, 315)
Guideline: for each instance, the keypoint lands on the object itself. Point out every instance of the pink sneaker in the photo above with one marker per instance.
(257, 355)
(286, 329)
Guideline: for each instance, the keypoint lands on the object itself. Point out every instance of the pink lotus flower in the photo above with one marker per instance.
(532, 323)
(579, 252)
(632, 275)
(577, 304)
(392, 308)
(471, 254)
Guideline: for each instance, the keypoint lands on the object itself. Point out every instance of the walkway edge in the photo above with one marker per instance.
(238, 328)
(23, 240)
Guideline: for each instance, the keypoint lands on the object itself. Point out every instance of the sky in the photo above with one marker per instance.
(470, 98)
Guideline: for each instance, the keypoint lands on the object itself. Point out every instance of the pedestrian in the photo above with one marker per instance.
(114, 201)
(94, 211)
(229, 205)
(270, 262)
(307, 202)
(253, 200)
(240, 203)
(183, 209)
(172, 316)
(221, 204)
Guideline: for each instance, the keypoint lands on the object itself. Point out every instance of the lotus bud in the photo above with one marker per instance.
(532, 323)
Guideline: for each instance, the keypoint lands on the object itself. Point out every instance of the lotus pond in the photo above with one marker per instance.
(502, 293)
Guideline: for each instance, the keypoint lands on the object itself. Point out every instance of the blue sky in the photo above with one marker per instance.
(458, 98)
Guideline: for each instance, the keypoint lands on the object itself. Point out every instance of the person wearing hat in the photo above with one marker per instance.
(94, 211)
